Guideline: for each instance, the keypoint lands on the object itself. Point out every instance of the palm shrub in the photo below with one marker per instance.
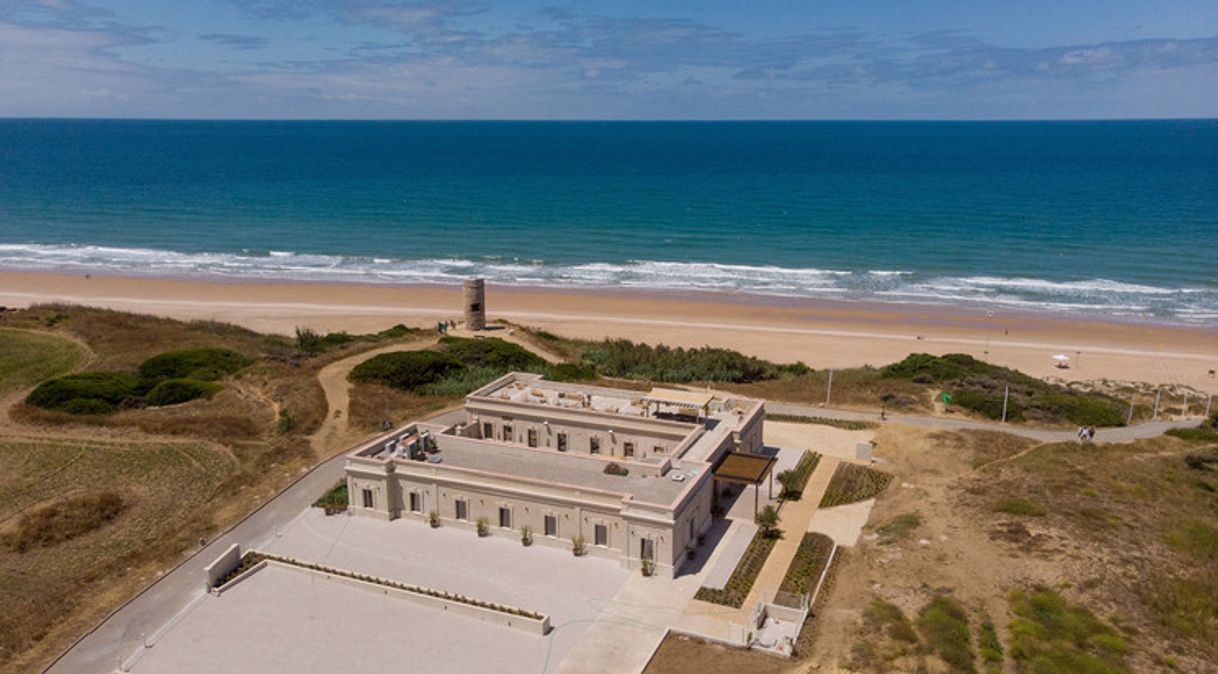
(484, 527)
(767, 521)
(526, 535)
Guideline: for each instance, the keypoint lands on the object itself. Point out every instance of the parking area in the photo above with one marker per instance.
(284, 620)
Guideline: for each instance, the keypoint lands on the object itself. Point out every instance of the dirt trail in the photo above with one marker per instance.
(335, 435)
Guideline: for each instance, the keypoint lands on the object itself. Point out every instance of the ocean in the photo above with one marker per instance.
(1079, 218)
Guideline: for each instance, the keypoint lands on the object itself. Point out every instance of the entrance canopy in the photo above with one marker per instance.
(740, 468)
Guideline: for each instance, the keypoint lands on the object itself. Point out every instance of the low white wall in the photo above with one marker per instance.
(226, 562)
(538, 626)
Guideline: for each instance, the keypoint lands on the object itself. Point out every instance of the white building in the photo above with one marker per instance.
(547, 456)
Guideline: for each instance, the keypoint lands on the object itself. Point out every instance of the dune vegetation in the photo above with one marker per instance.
(107, 479)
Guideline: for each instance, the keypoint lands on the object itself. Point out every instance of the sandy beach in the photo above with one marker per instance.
(822, 334)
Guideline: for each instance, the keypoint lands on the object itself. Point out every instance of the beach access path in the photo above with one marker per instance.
(1142, 431)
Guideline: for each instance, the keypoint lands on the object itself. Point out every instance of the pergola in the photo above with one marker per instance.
(697, 401)
(746, 469)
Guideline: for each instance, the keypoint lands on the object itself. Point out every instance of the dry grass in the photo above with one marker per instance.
(183, 471)
(1142, 526)
(48, 591)
(63, 520)
(27, 358)
(982, 447)
(372, 404)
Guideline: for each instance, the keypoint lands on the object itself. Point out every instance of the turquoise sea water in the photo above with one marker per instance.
(1112, 218)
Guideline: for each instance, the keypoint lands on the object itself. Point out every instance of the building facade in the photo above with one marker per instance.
(623, 474)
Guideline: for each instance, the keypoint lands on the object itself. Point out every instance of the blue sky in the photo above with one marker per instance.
(664, 59)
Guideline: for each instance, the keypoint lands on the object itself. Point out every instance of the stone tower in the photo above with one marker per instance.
(474, 294)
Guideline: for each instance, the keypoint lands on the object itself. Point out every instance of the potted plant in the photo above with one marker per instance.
(689, 551)
(433, 518)
(526, 535)
(648, 566)
(484, 527)
(578, 548)
(701, 540)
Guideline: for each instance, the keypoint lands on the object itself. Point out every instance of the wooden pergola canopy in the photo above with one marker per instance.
(741, 468)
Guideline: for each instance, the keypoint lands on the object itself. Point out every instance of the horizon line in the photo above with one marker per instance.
(629, 120)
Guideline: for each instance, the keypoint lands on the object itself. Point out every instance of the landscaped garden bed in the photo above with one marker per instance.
(852, 483)
(738, 586)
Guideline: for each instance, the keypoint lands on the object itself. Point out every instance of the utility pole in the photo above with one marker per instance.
(829, 389)
(1129, 417)
(1208, 402)
(1006, 394)
(1155, 415)
(1186, 403)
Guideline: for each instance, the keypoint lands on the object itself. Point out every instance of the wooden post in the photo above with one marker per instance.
(1005, 395)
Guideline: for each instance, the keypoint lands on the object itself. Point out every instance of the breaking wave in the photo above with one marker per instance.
(1198, 306)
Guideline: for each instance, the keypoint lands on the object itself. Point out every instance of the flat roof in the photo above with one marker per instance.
(669, 396)
(741, 468)
(551, 466)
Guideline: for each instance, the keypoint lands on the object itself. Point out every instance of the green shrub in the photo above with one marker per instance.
(945, 630)
(1079, 409)
(335, 497)
(990, 647)
(175, 391)
(406, 370)
(1050, 635)
(889, 620)
(898, 528)
(86, 393)
(1196, 538)
(461, 382)
(285, 422)
(626, 359)
(1020, 506)
(491, 353)
(988, 405)
(1200, 434)
(570, 372)
(205, 364)
(951, 367)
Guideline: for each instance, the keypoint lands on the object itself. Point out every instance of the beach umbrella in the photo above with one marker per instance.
(1061, 357)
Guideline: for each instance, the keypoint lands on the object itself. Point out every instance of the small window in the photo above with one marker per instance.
(369, 501)
(691, 528)
(646, 549)
(551, 525)
(461, 509)
(505, 518)
(628, 449)
(600, 535)
(476, 306)
(416, 502)
(488, 430)
(532, 437)
(659, 449)
(507, 432)
(594, 445)
(562, 442)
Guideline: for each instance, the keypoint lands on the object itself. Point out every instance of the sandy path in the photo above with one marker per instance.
(335, 434)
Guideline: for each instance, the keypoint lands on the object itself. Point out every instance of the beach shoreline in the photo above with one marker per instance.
(822, 333)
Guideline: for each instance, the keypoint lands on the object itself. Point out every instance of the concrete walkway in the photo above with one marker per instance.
(1148, 429)
(796, 517)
